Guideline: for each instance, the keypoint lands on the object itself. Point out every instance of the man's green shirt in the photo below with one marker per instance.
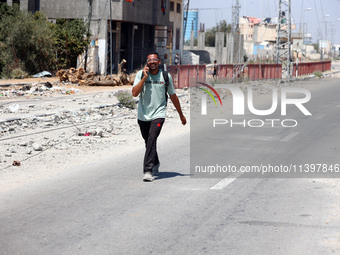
(152, 100)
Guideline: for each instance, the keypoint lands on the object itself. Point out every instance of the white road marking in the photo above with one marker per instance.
(225, 182)
(320, 116)
(289, 137)
(264, 138)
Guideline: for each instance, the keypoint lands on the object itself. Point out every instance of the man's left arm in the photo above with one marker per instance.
(177, 105)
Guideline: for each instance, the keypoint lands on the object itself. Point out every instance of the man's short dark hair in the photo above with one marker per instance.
(153, 53)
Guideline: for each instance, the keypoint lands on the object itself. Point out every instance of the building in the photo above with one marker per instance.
(259, 34)
(190, 24)
(246, 25)
(175, 23)
(168, 37)
(133, 25)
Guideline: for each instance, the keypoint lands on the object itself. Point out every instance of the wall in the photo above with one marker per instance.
(264, 33)
(145, 12)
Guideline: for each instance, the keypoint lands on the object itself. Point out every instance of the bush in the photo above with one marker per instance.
(18, 74)
(125, 98)
(318, 74)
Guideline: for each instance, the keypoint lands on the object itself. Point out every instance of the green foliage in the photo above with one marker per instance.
(71, 39)
(318, 74)
(18, 74)
(316, 47)
(25, 42)
(125, 98)
(210, 34)
(30, 42)
(210, 38)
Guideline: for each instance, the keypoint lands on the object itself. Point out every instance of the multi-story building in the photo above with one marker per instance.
(191, 24)
(259, 33)
(247, 27)
(132, 24)
(168, 37)
(175, 23)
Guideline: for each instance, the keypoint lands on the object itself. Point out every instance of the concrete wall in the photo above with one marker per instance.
(219, 44)
(145, 12)
(212, 54)
(264, 32)
(79, 9)
(201, 41)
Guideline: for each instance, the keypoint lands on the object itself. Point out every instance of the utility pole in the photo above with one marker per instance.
(88, 31)
(283, 37)
(111, 38)
(236, 16)
(181, 43)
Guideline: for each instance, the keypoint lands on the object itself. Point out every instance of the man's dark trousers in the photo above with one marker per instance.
(150, 131)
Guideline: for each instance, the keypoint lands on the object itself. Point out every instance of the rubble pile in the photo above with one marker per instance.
(62, 128)
(36, 89)
(82, 78)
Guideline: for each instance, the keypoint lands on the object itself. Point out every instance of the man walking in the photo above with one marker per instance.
(153, 87)
(215, 69)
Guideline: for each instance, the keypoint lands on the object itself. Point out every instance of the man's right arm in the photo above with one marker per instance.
(139, 87)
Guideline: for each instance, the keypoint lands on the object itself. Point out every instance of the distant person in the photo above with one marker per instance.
(215, 69)
(165, 62)
(153, 85)
(177, 58)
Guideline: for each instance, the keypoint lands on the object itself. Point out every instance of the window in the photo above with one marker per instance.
(179, 8)
(172, 6)
(33, 5)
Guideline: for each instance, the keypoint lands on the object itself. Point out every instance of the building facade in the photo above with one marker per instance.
(132, 24)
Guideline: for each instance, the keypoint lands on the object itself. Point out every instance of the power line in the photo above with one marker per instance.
(207, 9)
(317, 16)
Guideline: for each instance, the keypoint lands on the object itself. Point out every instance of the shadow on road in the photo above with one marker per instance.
(164, 175)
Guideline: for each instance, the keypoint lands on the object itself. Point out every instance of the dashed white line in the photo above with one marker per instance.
(289, 137)
(225, 182)
(320, 116)
(264, 138)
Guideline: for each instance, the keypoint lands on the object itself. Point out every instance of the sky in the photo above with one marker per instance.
(316, 14)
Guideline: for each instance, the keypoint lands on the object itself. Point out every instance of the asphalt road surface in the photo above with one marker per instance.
(105, 208)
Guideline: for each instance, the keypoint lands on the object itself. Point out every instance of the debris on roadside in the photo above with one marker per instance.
(82, 78)
(16, 163)
(42, 74)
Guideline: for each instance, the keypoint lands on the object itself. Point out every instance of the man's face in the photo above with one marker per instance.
(153, 61)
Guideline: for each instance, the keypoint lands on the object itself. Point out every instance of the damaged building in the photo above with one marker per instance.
(132, 25)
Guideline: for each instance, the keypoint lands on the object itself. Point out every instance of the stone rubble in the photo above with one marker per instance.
(76, 125)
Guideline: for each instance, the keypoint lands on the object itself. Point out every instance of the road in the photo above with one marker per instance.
(105, 208)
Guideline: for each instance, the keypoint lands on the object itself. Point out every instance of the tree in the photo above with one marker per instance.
(71, 38)
(25, 41)
(30, 42)
(210, 35)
